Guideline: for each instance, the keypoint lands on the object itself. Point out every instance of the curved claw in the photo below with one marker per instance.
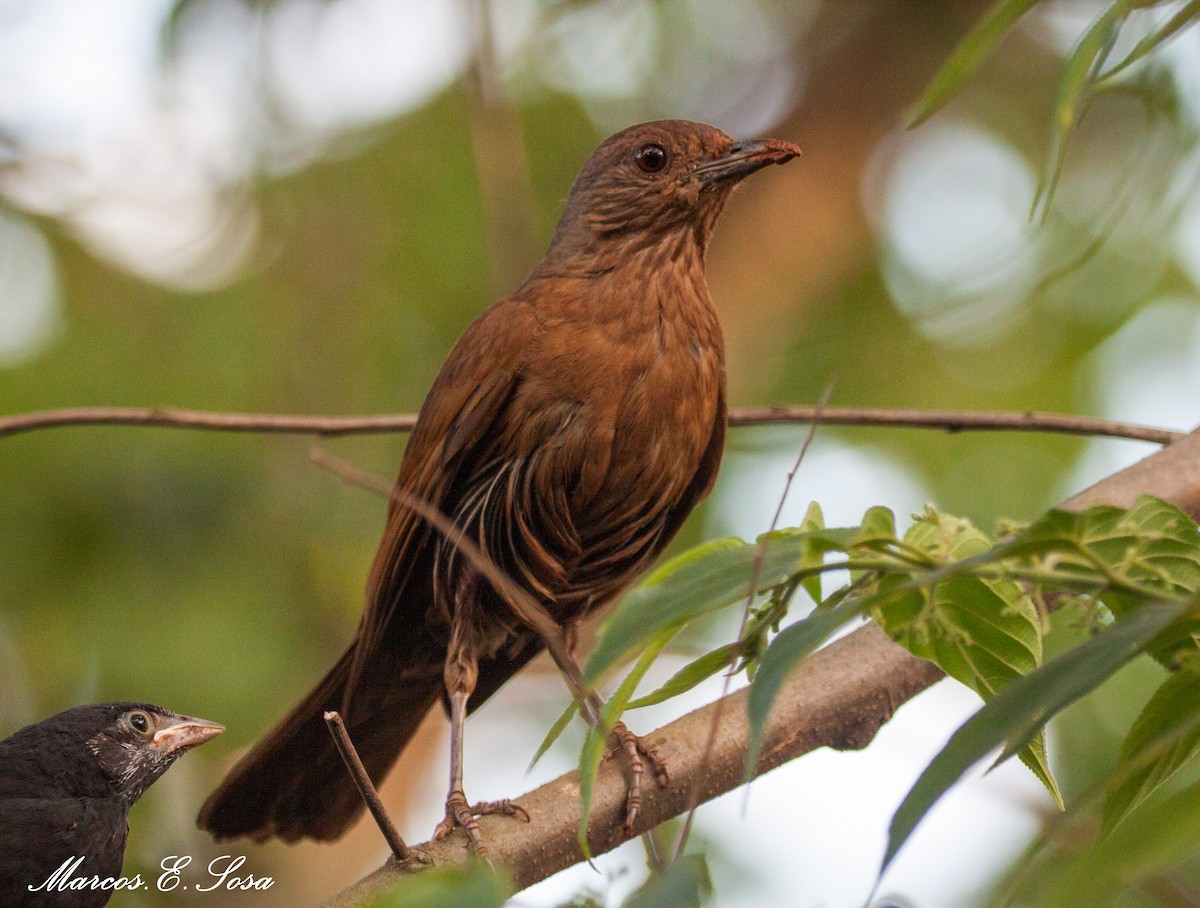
(635, 749)
(463, 815)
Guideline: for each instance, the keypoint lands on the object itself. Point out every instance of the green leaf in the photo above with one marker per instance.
(812, 555)
(789, 647)
(1072, 869)
(1164, 739)
(1152, 544)
(700, 582)
(670, 566)
(1156, 38)
(685, 883)
(967, 57)
(473, 885)
(1152, 549)
(1074, 88)
(597, 738)
(878, 526)
(1018, 712)
(689, 676)
(983, 633)
(559, 726)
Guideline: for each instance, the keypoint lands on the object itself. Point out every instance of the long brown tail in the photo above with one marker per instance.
(293, 784)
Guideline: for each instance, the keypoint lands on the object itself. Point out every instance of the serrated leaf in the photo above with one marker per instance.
(1152, 543)
(1164, 738)
(967, 57)
(689, 676)
(1079, 74)
(1151, 549)
(1017, 713)
(983, 633)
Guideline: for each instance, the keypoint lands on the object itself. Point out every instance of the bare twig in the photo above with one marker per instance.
(366, 789)
(269, 423)
(755, 572)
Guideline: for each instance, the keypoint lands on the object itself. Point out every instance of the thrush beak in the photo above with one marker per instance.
(185, 734)
(743, 158)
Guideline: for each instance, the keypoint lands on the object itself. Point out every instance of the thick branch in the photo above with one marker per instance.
(838, 698)
(949, 420)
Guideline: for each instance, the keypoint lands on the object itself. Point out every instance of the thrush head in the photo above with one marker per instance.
(657, 182)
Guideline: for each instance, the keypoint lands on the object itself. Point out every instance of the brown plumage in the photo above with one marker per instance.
(571, 431)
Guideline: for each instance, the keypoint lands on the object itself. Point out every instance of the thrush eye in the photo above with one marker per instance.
(650, 158)
(140, 722)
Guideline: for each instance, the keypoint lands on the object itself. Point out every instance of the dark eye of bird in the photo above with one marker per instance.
(140, 722)
(650, 158)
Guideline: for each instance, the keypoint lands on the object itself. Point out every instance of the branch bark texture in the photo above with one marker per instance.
(838, 698)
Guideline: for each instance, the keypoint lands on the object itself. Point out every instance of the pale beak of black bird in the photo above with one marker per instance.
(185, 734)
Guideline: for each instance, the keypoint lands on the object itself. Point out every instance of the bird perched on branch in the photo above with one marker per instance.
(66, 786)
(571, 431)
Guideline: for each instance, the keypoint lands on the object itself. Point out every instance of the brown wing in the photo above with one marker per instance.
(458, 418)
(293, 784)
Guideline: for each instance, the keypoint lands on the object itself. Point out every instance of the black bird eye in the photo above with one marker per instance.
(140, 722)
(650, 158)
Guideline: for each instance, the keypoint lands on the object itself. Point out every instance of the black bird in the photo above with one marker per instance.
(66, 786)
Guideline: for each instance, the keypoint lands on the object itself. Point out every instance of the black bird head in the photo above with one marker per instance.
(137, 742)
(120, 748)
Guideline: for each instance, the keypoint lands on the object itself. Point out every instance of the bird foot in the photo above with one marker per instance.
(635, 748)
(463, 815)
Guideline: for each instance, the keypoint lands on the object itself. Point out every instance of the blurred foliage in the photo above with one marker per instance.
(474, 886)
(218, 575)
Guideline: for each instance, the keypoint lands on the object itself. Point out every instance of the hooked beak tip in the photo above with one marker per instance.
(743, 158)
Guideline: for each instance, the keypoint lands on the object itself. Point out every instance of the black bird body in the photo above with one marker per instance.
(66, 786)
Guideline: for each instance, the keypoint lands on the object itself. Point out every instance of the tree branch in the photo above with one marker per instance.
(268, 423)
(840, 698)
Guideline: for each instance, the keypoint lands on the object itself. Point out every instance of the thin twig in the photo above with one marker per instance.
(755, 572)
(366, 789)
(268, 423)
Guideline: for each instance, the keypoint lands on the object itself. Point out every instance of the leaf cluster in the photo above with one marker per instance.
(1088, 71)
(948, 592)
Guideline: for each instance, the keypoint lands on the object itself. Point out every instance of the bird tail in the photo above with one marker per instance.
(294, 784)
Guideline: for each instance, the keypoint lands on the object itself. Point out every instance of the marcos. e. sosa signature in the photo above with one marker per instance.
(222, 875)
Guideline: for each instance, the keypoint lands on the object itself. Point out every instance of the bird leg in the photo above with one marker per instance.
(461, 674)
(635, 747)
